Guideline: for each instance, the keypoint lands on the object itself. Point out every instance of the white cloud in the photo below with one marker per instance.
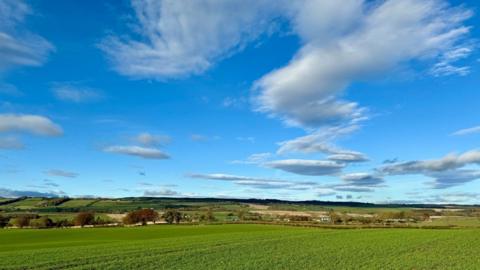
(143, 152)
(9, 193)
(467, 131)
(231, 102)
(448, 162)
(161, 193)
(34, 124)
(148, 139)
(74, 93)
(446, 198)
(353, 189)
(179, 38)
(340, 44)
(447, 179)
(226, 177)
(445, 67)
(445, 171)
(201, 138)
(324, 192)
(348, 157)
(10, 90)
(257, 183)
(19, 47)
(307, 167)
(258, 158)
(355, 41)
(362, 179)
(320, 141)
(61, 173)
(246, 139)
(11, 143)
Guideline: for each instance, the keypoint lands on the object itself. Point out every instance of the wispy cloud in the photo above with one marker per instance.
(50, 183)
(447, 179)
(202, 138)
(354, 189)
(307, 167)
(259, 183)
(362, 179)
(446, 66)
(10, 90)
(148, 139)
(161, 193)
(138, 151)
(448, 162)
(18, 46)
(467, 131)
(322, 141)
(171, 46)
(11, 143)
(246, 139)
(348, 156)
(258, 158)
(445, 171)
(10, 193)
(61, 173)
(446, 198)
(72, 92)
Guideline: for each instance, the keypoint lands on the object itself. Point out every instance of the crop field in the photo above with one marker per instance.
(77, 203)
(238, 247)
(30, 203)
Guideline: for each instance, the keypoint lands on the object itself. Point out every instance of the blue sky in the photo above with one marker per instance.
(373, 101)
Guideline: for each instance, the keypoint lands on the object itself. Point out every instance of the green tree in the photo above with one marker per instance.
(334, 217)
(241, 214)
(172, 216)
(20, 222)
(4, 221)
(41, 223)
(208, 216)
(63, 223)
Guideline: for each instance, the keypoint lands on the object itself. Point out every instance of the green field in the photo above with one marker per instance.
(29, 203)
(239, 247)
(77, 203)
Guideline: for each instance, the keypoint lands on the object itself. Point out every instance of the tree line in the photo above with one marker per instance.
(136, 217)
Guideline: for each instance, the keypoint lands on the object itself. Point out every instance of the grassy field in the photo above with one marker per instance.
(238, 247)
(77, 203)
(30, 203)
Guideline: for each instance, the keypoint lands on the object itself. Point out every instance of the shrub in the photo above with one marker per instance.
(84, 218)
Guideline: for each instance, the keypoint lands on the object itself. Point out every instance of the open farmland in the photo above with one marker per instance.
(26, 204)
(239, 247)
(77, 203)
